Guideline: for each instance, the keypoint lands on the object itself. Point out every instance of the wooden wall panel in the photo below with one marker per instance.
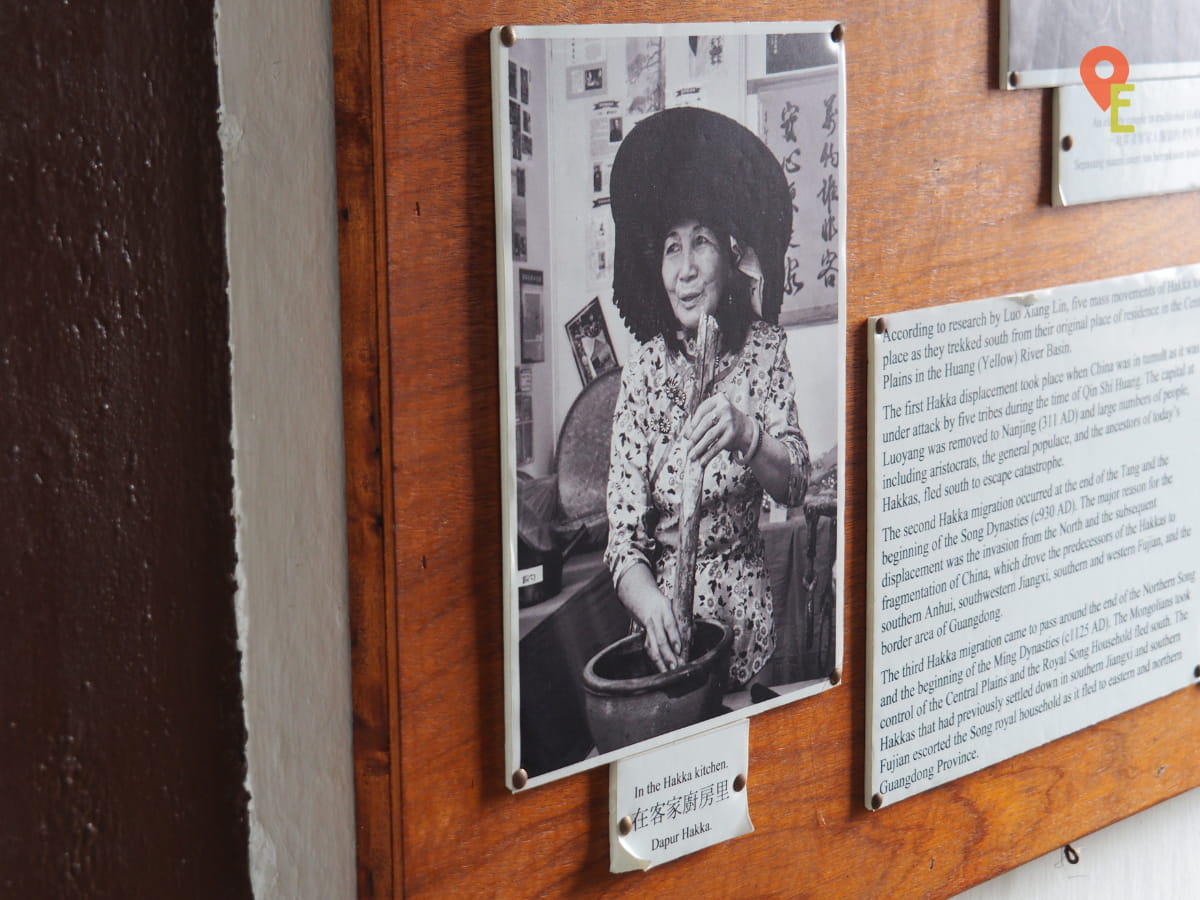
(948, 182)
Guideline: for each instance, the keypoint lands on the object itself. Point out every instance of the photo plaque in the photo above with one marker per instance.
(672, 508)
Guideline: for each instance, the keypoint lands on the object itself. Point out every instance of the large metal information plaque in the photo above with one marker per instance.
(1034, 516)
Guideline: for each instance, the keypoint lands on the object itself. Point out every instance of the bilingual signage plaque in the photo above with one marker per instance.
(675, 800)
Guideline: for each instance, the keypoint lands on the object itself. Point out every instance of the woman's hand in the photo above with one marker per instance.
(651, 607)
(718, 425)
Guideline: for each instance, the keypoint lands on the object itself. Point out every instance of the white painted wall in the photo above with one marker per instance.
(1150, 856)
(279, 182)
(277, 132)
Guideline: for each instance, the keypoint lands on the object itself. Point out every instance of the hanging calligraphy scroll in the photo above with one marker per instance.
(800, 120)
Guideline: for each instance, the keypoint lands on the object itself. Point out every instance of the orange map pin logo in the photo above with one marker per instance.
(1101, 89)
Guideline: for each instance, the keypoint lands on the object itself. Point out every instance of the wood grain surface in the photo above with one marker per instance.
(948, 198)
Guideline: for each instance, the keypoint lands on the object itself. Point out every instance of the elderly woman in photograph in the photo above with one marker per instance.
(703, 219)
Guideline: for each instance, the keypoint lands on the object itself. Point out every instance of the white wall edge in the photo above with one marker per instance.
(277, 137)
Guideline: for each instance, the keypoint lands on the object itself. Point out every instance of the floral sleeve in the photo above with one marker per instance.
(630, 505)
(779, 419)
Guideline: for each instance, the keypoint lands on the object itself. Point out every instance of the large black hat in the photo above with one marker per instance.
(690, 163)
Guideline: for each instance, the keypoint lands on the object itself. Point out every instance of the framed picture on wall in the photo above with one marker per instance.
(532, 327)
(590, 343)
(689, 185)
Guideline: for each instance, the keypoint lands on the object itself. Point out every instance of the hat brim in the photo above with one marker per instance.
(693, 164)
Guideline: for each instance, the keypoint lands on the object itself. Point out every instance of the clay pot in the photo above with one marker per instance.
(628, 700)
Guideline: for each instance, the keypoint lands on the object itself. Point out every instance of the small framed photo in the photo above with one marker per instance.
(590, 343)
(587, 79)
(532, 328)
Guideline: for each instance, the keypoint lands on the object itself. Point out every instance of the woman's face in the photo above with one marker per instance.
(695, 271)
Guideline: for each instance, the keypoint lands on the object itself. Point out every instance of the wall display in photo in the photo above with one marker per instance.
(518, 232)
(512, 80)
(518, 181)
(645, 85)
(587, 79)
(526, 146)
(799, 120)
(524, 423)
(526, 122)
(524, 376)
(1029, 568)
(579, 51)
(688, 95)
(515, 132)
(606, 124)
(1043, 42)
(590, 343)
(708, 55)
(672, 222)
(524, 85)
(796, 53)
(600, 248)
(532, 322)
(616, 129)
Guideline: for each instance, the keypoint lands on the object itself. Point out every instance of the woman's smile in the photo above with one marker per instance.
(695, 270)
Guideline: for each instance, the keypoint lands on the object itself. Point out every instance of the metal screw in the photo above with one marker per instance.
(1068, 142)
(508, 36)
(520, 778)
(1013, 78)
(835, 677)
(739, 783)
(880, 325)
(877, 801)
(838, 33)
(625, 826)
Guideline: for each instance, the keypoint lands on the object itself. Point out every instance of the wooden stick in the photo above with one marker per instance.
(700, 384)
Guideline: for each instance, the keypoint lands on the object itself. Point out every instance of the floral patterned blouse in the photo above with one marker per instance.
(646, 464)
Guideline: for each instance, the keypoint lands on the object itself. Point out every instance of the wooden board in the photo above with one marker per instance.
(949, 181)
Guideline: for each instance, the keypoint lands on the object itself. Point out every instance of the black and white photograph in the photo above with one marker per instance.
(672, 507)
(1043, 42)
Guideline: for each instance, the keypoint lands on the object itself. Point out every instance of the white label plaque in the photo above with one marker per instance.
(1035, 512)
(1156, 149)
(680, 798)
